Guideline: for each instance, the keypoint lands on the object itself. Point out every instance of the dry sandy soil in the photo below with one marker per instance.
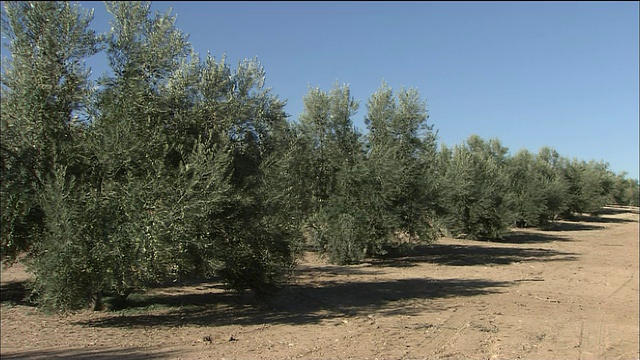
(570, 293)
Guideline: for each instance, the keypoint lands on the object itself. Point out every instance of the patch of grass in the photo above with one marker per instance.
(142, 303)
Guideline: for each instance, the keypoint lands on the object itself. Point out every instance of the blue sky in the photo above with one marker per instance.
(562, 74)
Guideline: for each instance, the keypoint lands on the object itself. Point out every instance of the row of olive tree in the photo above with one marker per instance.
(486, 192)
(390, 187)
(171, 166)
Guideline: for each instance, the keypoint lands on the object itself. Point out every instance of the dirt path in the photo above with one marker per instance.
(571, 293)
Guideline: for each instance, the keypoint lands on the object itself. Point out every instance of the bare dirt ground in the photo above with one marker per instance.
(570, 293)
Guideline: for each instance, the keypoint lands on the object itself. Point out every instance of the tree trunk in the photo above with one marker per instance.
(98, 304)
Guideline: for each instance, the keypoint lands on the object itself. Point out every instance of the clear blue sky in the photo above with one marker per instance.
(562, 74)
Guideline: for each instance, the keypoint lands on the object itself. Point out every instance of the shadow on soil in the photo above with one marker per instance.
(327, 293)
(614, 210)
(15, 293)
(523, 237)
(301, 304)
(600, 219)
(470, 255)
(572, 226)
(96, 354)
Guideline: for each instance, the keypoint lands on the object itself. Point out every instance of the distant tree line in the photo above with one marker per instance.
(175, 166)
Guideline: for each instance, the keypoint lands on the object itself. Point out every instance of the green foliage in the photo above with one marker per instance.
(66, 265)
(526, 186)
(369, 193)
(590, 186)
(625, 191)
(402, 165)
(536, 187)
(44, 88)
(332, 142)
(334, 151)
(475, 184)
(554, 185)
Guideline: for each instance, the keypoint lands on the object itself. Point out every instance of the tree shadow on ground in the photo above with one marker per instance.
(472, 255)
(571, 226)
(523, 237)
(15, 293)
(597, 219)
(329, 271)
(95, 354)
(614, 210)
(301, 303)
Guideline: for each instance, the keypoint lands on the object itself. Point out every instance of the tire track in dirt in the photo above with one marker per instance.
(593, 339)
(623, 285)
(450, 330)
